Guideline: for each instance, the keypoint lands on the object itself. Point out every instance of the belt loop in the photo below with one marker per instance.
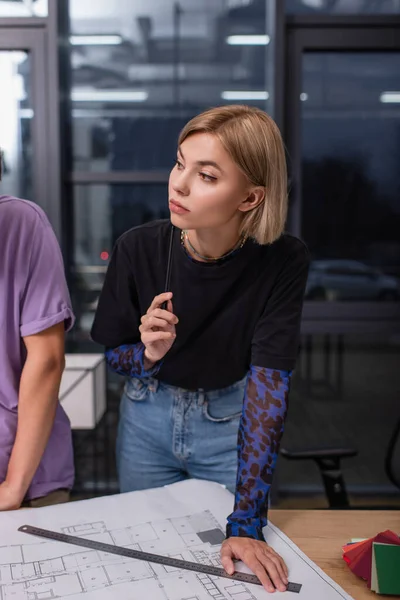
(202, 396)
(153, 384)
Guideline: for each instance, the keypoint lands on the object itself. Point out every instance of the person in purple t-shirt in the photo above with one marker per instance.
(36, 458)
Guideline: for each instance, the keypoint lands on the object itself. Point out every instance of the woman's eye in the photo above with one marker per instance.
(207, 177)
(178, 164)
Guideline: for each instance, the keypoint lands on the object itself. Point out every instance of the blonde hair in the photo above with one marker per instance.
(254, 142)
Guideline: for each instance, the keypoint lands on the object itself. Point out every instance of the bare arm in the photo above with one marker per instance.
(38, 396)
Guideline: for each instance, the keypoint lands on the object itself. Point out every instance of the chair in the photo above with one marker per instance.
(329, 464)
(392, 462)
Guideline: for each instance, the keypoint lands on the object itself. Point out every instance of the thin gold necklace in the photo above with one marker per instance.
(185, 238)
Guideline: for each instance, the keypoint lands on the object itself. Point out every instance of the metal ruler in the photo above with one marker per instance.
(147, 556)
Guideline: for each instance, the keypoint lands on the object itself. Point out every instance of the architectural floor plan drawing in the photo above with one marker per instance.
(40, 571)
(185, 521)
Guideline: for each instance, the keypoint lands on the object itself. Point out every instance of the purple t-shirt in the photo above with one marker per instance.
(33, 297)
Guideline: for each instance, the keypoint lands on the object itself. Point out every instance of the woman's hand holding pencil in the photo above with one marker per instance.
(157, 328)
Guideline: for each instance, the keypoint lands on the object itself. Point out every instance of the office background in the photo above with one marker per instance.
(92, 98)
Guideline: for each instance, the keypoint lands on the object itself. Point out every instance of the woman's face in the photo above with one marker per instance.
(205, 188)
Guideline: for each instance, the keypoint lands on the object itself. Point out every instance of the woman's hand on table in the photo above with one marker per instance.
(10, 496)
(265, 563)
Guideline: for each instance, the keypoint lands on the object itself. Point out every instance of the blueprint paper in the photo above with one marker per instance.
(185, 520)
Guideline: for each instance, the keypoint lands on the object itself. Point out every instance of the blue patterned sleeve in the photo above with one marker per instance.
(128, 360)
(260, 432)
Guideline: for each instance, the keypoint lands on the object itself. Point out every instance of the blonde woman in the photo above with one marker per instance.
(215, 361)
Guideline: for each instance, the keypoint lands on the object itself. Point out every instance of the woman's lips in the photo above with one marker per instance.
(176, 207)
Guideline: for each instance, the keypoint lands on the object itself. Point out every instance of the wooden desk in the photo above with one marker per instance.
(320, 534)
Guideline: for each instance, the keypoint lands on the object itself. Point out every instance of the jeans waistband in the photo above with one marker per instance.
(200, 393)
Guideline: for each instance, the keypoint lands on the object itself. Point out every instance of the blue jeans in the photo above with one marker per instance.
(167, 434)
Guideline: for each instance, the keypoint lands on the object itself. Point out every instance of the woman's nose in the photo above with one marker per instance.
(180, 184)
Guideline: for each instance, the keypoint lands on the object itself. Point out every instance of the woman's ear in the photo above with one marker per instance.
(254, 199)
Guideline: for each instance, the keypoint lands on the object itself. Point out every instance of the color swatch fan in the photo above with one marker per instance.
(377, 560)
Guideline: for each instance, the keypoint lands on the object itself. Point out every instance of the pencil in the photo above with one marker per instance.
(169, 264)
